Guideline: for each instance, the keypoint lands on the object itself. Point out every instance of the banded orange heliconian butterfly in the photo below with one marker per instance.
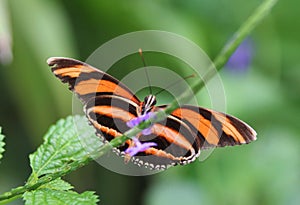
(110, 105)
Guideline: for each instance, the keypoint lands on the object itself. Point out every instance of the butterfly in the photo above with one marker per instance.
(109, 105)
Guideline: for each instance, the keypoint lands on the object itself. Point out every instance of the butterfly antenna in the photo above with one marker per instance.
(174, 83)
(146, 71)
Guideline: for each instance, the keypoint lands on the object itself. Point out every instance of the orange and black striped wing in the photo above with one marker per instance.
(215, 129)
(109, 114)
(86, 81)
(187, 131)
(176, 143)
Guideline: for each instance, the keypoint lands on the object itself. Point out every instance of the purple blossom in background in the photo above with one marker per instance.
(139, 147)
(242, 57)
(135, 121)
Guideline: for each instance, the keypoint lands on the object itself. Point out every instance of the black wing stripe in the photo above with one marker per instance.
(111, 111)
(114, 101)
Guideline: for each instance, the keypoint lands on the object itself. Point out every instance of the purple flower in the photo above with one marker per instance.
(242, 57)
(139, 147)
(135, 121)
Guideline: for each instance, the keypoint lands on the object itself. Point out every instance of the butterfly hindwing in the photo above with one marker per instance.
(176, 144)
(109, 114)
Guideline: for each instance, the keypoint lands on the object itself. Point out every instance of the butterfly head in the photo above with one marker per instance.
(148, 104)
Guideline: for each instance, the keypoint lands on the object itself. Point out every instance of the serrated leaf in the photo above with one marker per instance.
(2, 143)
(62, 145)
(57, 184)
(57, 197)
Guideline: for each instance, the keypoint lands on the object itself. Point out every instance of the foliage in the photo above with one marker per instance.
(2, 144)
(59, 192)
(61, 148)
(57, 197)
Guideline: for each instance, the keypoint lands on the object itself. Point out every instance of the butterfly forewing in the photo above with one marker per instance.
(215, 128)
(87, 81)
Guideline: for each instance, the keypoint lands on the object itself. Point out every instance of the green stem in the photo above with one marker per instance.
(7, 201)
(217, 65)
(245, 29)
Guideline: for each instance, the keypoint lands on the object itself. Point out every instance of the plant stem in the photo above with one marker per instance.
(257, 16)
(217, 65)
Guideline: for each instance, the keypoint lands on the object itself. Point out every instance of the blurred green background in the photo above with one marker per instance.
(266, 95)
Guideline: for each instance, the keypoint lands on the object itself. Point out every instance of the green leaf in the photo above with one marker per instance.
(57, 197)
(1, 144)
(67, 141)
(58, 184)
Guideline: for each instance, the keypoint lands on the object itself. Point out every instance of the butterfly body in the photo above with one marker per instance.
(148, 104)
(110, 105)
